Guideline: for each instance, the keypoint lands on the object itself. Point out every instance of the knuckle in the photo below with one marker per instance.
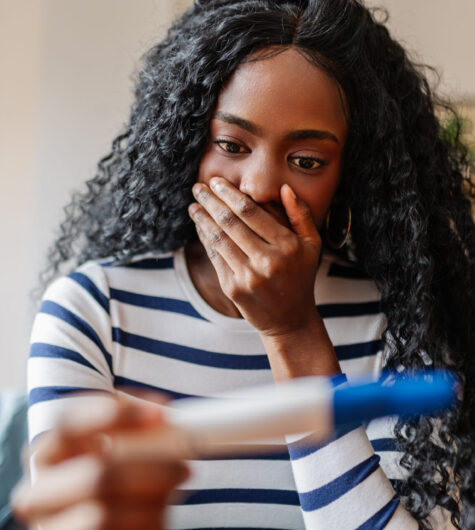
(217, 237)
(232, 291)
(290, 247)
(246, 207)
(226, 218)
(254, 282)
(268, 267)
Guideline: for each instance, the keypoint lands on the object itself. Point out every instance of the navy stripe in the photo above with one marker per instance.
(40, 349)
(384, 444)
(155, 302)
(190, 355)
(281, 455)
(49, 393)
(125, 382)
(54, 309)
(307, 446)
(351, 273)
(243, 495)
(319, 497)
(345, 352)
(382, 517)
(86, 283)
(152, 263)
(349, 310)
(147, 263)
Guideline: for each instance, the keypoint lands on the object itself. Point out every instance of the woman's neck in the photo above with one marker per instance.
(205, 279)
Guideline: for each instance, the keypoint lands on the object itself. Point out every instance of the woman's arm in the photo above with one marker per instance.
(76, 483)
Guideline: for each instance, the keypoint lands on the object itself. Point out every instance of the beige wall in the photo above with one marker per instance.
(64, 93)
(442, 34)
(65, 89)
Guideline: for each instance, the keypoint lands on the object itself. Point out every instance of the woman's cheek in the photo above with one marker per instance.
(211, 166)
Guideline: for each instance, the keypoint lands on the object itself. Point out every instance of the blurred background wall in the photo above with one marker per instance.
(65, 89)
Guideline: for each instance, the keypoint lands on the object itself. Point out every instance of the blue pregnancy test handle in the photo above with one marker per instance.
(422, 393)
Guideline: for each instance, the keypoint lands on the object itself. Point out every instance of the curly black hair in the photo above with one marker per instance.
(409, 189)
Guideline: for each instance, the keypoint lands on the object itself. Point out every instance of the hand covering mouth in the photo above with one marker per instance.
(278, 213)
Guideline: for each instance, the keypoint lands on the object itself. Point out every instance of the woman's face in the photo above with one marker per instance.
(278, 120)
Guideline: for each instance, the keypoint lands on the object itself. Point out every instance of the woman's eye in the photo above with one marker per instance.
(304, 162)
(230, 147)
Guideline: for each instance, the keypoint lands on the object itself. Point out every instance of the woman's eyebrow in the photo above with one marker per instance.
(318, 134)
(303, 134)
(240, 122)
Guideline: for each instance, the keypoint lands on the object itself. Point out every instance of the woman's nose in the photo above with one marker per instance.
(262, 182)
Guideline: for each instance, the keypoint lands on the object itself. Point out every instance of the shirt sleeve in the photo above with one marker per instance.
(341, 484)
(71, 346)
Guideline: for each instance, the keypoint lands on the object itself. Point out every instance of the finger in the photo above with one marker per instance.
(223, 252)
(84, 516)
(88, 477)
(222, 214)
(57, 487)
(95, 516)
(87, 420)
(299, 216)
(254, 216)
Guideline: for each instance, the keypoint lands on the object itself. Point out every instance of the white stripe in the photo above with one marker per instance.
(354, 507)
(381, 427)
(254, 474)
(390, 465)
(63, 372)
(149, 282)
(183, 329)
(223, 515)
(328, 463)
(184, 377)
(52, 330)
(354, 330)
(69, 294)
(193, 332)
(334, 290)
(368, 366)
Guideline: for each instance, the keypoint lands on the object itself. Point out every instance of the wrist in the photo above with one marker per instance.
(303, 351)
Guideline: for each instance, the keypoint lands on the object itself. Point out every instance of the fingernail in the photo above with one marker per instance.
(193, 208)
(196, 188)
(291, 191)
(216, 183)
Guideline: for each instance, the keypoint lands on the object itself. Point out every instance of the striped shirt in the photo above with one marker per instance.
(143, 323)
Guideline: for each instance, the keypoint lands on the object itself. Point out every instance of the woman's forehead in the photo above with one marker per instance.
(284, 89)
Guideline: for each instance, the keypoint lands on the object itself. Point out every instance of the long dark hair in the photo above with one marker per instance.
(407, 186)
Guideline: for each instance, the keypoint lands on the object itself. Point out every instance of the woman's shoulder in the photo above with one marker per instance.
(98, 277)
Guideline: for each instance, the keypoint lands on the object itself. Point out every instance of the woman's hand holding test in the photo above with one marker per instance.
(80, 485)
(268, 270)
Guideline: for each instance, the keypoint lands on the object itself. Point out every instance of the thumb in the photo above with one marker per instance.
(299, 216)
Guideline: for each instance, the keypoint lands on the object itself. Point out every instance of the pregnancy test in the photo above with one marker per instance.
(197, 427)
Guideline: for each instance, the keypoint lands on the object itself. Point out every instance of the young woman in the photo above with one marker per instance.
(263, 132)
